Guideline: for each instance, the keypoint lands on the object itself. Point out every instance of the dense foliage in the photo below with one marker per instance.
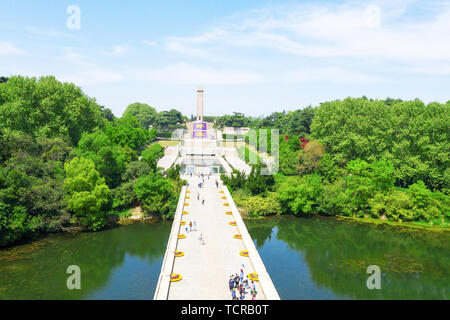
(144, 113)
(65, 161)
(412, 135)
(385, 159)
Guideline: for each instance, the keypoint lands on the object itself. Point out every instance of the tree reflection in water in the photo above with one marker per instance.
(38, 270)
(332, 256)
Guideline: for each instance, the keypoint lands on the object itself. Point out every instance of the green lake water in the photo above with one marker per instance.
(326, 258)
(320, 258)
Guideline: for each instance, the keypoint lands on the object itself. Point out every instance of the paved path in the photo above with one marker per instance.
(206, 268)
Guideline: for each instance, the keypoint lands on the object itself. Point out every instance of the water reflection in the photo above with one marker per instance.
(121, 263)
(323, 258)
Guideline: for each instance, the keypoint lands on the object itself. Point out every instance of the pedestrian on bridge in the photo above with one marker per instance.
(233, 294)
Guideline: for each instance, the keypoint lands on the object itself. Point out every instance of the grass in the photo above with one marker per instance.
(414, 225)
(167, 143)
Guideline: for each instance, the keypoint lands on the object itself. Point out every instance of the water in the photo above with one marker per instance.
(320, 258)
(120, 263)
(324, 258)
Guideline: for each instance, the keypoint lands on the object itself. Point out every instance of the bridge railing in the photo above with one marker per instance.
(163, 286)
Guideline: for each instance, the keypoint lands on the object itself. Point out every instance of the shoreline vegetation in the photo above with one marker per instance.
(68, 164)
(386, 160)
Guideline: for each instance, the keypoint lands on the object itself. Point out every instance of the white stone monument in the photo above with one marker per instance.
(200, 104)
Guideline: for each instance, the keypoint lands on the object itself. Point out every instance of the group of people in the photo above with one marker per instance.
(239, 285)
(192, 226)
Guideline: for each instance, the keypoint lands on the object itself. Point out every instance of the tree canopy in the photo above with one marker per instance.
(144, 113)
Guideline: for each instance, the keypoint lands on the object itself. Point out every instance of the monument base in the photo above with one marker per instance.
(199, 130)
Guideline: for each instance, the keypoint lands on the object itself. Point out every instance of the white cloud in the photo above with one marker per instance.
(92, 76)
(330, 74)
(86, 71)
(149, 43)
(119, 50)
(7, 49)
(183, 73)
(72, 57)
(320, 30)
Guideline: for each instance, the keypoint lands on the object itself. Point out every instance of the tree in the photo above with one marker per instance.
(169, 120)
(87, 193)
(109, 158)
(410, 134)
(309, 158)
(107, 114)
(157, 195)
(144, 113)
(152, 154)
(300, 195)
(128, 131)
(47, 107)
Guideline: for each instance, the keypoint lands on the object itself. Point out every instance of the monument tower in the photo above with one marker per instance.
(199, 126)
(200, 104)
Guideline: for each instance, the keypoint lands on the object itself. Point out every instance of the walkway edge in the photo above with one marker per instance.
(162, 288)
(270, 292)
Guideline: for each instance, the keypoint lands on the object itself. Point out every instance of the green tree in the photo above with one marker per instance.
(144, 113)
(152, 154)
(47, 107)
(158, 196)
(300, 195)
(87, 193)
(128, 131)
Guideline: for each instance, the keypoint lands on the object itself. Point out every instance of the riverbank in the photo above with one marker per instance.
(412, 225)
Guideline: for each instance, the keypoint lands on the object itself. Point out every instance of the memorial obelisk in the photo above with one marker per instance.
(200, 126)
(200, 104)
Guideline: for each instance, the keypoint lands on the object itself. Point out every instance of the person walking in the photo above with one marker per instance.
(242, 276)
(203, 201)
(236, 280)
(198, 196)
(230, 283)
(195, 226)
(247, 286)
(201, 238)
(233, 294)
(190, 225)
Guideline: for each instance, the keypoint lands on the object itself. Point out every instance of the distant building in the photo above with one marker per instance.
(231, 130)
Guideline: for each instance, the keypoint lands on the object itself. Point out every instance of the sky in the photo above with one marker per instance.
(250, 56)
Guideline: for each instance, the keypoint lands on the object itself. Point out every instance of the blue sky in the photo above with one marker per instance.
(250, 56)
